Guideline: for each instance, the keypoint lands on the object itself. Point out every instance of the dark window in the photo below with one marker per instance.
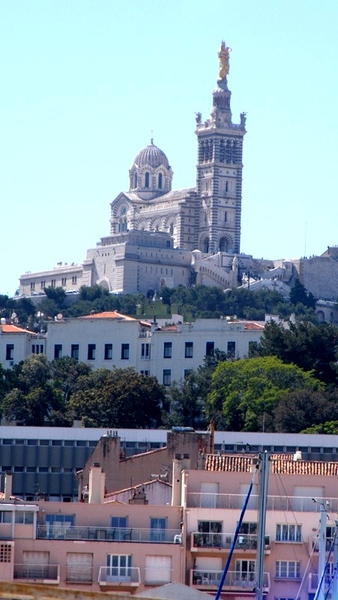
(135, 180)
(209, 348)
(57, 350)
(167, 350)
(160, 181)
(189, 349)
(74, 351)
(166, 376)
(91, 351)
(187, 372)
(9, 351)
(145, 351)
(124, 351)
(108, 351)
(146, 181)
(231, 349)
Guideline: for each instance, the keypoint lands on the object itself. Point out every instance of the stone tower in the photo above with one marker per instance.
(219, 169)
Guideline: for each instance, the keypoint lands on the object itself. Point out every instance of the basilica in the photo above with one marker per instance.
(160, 236)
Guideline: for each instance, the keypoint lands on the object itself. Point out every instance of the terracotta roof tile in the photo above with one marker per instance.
(282, 464)
(108, 315)
(14, 329)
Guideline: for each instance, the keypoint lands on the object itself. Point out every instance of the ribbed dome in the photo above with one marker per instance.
(152, 156)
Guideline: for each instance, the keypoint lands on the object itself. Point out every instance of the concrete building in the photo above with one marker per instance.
(169, 352)
(164, 237)
(129, 544)
(17, 343)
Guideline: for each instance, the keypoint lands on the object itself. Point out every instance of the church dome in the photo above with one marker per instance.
(152, 156)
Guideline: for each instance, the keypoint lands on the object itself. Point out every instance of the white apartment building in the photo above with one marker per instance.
(113, 340)
(17, 343)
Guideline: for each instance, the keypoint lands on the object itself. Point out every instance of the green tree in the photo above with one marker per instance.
(57, 294)
(244, 393)
(303, 408)
(311, 346)
(118, 398)
(34, 400)
(300, 295)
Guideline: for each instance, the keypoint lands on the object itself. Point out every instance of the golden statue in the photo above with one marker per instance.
(223, 61)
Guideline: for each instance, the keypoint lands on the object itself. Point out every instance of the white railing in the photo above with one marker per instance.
(117, 534)
(118, 575)
(233, 579)
(236, 501)
(244, 541)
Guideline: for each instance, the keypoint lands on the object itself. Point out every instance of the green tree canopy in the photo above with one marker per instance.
(244, 393)
(310, 346)
(118, 398)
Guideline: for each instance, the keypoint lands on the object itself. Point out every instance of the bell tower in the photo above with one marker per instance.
(219, 168)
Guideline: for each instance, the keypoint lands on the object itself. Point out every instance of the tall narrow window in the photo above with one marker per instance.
(135, 180)
(74, 351)
(166, 376)
(57, 350)
(231, 349)
(108, 351)
(167, 350)
(146, 180)
(189, 349)
(209, 348)
(91, 352)
(160, 177)
(9, 351)
(124, 351)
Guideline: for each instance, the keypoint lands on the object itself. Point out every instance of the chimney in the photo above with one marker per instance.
(8, 485)
(97, 480)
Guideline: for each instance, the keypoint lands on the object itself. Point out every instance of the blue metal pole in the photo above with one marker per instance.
(233, 545)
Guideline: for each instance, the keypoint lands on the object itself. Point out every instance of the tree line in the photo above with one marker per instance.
(192, 302)
(287, 384)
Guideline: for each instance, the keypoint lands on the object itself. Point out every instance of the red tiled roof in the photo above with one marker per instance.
(108, 315)
(250, 326)
(14, 329)
(282, 464)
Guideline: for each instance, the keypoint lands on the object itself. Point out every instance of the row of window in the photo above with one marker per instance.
(24, 469)
(32, 442)
(145, 350)
(147, 180)
(23, 517)
(284, 532)
(44, 283)
(35, 349)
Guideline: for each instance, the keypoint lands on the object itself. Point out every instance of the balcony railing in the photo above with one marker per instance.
(225, 540)
(119, 576)
(42, 573)
(234, 580)
(314, 543)
(313, 582)
(236, 501)
(115, 534)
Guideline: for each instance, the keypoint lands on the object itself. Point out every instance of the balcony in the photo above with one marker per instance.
(112, 534)
(314, 543)
(313, 582)
(119, 577)
(236, 501)
(47, 574)
(219, 541)
(234, 581)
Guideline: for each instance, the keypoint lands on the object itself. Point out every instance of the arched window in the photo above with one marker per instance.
(226, 186)
(206, 245)
(225, 217)
(221, 151)
(160, 177)
(171, 229)
(135, 180)
(146, 180)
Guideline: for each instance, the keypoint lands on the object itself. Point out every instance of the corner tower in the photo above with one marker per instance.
(219, 169)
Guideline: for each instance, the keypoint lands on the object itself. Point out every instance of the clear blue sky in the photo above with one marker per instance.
(84, 82)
